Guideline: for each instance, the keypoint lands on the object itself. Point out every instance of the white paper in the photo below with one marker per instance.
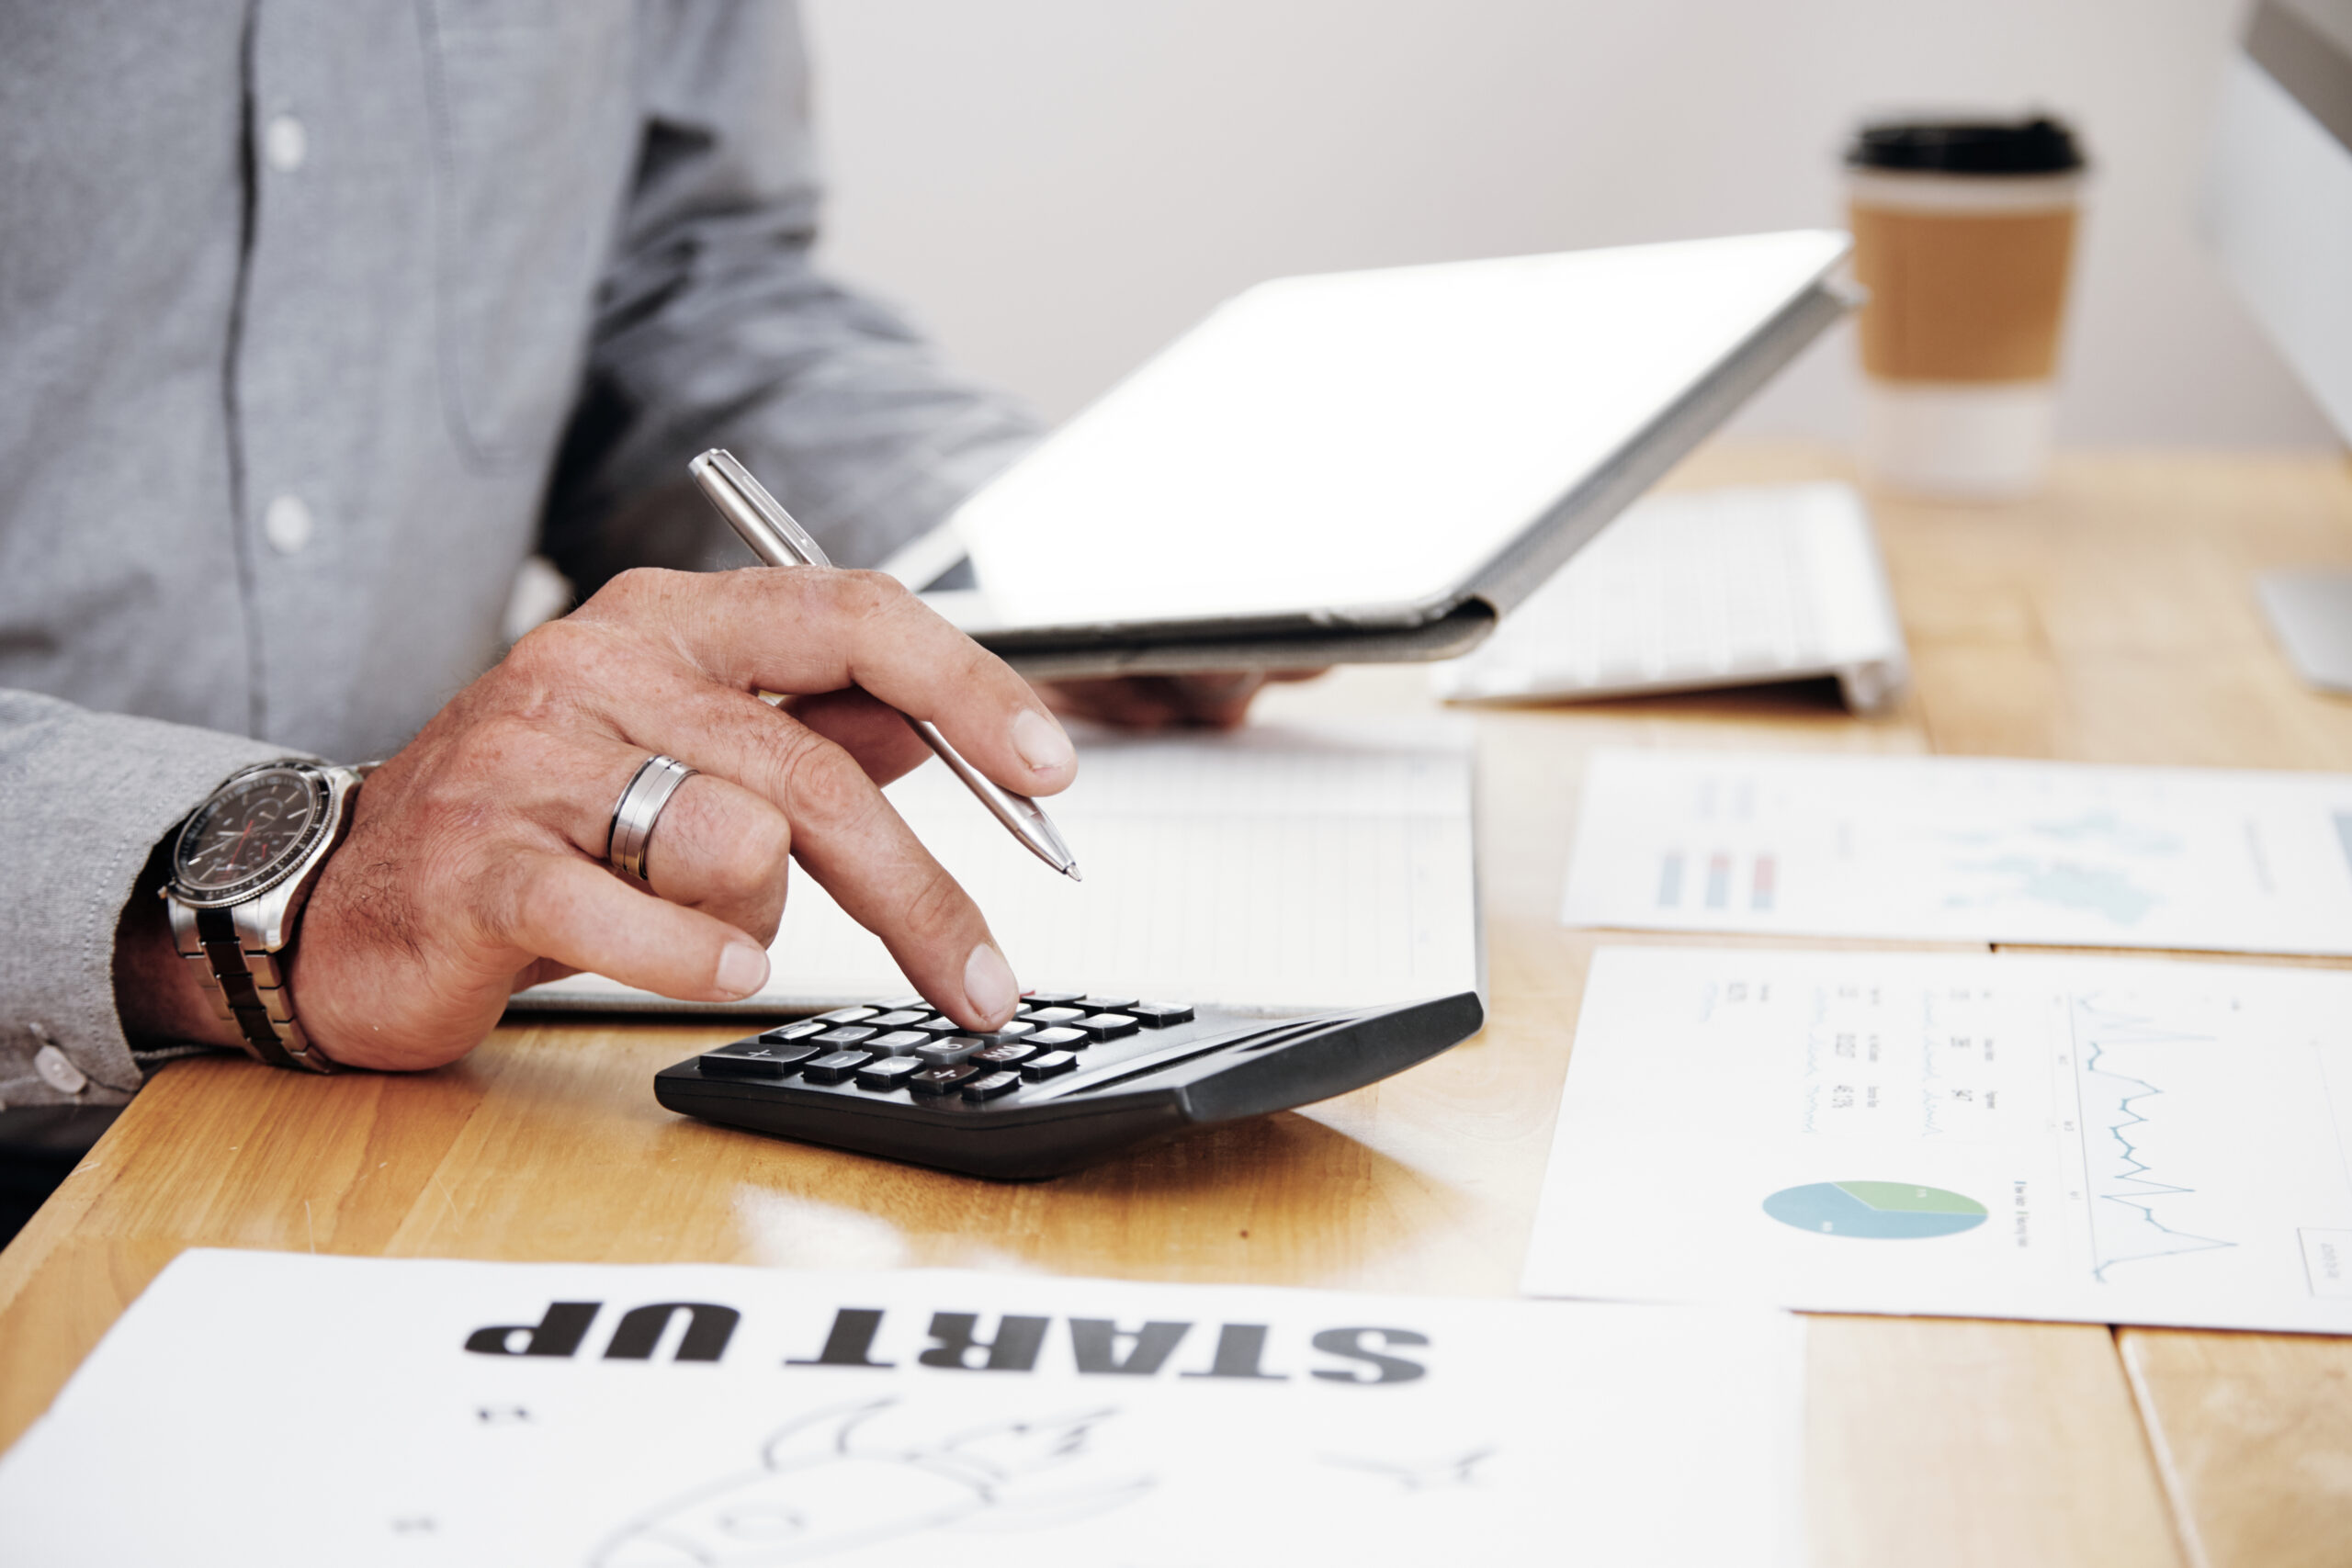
(2101, 1140)
(1272, 869)
(1353, 445)
(1714, 588)
(1964, 849)
(264, 1408)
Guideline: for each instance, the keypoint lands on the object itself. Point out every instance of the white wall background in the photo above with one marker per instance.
(1056, 187)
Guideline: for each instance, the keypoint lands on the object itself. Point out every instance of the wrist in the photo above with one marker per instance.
(157, 997)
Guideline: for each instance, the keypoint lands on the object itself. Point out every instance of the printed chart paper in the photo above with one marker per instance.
(400, 1412)
(1965, 849)
(1279, 868)
(2102, 1140)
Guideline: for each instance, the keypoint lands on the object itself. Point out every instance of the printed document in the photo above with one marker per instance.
(618, 1416)
(2094, 1139)
(1290, 868)
(1964, 849)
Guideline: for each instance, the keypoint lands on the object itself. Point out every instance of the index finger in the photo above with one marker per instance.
(844, 831)
(803, 630)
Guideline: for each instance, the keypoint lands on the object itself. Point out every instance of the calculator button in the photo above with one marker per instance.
(1013, 1031)
(1106, 1025)
(898, 1043)
(1004, 1055)
(1105, 1004)
(1050, 998)
(889, 1072)
(792, 1031)
(1061, 1039)
(1159, 1015)
(946, 1052)
(1047, 1065)
(845, 1015)
(834, 1066)
(938, 1026)
(992, 1085)
(756, 1059)
(899, 1020)
(1054, 1015)
(942, 1079)
(904, 1004)
(837, 1038)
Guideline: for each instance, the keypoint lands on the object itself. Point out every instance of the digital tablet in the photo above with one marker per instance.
(1372, 466)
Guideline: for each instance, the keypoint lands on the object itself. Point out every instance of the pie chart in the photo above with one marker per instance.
(1878, 1210)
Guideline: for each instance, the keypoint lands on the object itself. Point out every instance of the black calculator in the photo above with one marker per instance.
(1071, 1078)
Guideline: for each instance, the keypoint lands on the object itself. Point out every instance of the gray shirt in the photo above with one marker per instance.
(316, 317)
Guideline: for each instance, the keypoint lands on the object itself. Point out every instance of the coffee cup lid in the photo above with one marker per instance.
(2036, 146)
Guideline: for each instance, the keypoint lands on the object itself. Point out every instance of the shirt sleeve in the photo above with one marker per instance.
(87, 797)
(714, 328)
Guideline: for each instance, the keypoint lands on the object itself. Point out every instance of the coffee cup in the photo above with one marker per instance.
(1963, 240)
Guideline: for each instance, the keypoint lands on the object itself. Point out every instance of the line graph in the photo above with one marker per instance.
(2126, 1191)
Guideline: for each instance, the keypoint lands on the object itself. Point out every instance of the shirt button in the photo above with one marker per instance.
(283, 144)
(286, 523)
(58, 1071)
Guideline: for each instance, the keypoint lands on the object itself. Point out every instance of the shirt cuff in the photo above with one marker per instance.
(87, 797)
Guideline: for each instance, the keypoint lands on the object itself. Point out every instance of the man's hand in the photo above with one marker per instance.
(476, 860)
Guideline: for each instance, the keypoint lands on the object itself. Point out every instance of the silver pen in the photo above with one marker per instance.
(777, 538)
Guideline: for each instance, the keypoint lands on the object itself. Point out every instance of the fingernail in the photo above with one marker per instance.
(743, 969)
(1041, 742)
(989, 984)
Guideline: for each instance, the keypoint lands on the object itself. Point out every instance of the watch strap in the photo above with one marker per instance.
(246, 986)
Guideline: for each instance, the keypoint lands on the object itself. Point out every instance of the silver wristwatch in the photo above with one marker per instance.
(242, 870)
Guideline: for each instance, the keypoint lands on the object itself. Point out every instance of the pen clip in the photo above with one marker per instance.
(774, 534)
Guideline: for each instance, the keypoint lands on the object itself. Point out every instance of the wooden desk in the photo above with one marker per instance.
(2112, 620)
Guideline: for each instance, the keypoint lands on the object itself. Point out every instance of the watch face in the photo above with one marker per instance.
(253, 828)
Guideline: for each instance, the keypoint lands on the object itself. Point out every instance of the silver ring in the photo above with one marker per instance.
(639, 807)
